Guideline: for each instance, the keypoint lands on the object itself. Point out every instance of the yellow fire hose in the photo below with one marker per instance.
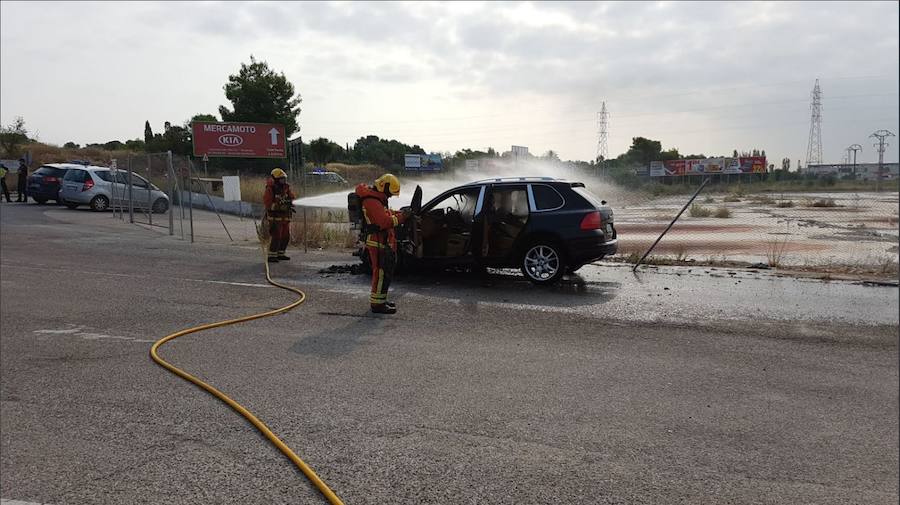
(307, 471)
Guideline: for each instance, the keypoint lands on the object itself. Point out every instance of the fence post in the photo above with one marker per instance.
(130, 193)
(705, 181)
(191, 196)
(149, 194)
(305, 230)
(171, 173)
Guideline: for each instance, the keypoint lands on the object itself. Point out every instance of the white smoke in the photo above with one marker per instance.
(489, 168)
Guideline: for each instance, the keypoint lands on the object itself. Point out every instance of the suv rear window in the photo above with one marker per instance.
(545, 197)
(76, 175)
(587, 195)
(52, 171)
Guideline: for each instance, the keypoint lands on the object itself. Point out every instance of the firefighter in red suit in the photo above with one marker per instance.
(278, 200)
(381, 241)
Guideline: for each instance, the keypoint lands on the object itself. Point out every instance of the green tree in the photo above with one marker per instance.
(670, 154)
(135, 145)
(643, 150)
(13, 136)
(71, 145)
(113, 145)
(259, 94)
(209, 118)
(320, 150)
(148, 133)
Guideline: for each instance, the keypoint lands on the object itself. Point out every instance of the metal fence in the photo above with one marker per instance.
(178, 178)
(853, 232)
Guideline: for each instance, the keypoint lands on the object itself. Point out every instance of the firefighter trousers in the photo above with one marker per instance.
(280, 229)
(383, 260)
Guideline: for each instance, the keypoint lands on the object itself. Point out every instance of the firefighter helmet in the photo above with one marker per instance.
(388, 183)
(278, 173)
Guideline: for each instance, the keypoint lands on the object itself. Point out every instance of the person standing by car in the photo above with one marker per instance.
(5, 189)
(23, 181)
(279, 202)
(381, 241)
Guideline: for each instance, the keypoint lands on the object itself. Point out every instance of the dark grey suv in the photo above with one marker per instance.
(545, 227)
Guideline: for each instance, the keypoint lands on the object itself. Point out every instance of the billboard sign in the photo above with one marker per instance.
(412, 162)
(676, 168)
(239, 140)
(519, 151)
(432, 162)
(423, 162)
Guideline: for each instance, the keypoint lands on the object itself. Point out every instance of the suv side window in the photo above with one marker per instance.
(510, 201)
(546, 198)
(104, 175)
(462, 203)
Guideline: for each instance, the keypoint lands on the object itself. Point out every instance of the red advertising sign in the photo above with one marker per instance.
(753, 164)
(675, 167)
(239, 140)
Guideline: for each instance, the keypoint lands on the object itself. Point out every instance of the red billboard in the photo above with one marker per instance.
(239, 140)
(676, 168)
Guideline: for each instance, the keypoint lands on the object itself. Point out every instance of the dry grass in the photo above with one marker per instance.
(775, 249)
(731, 199)
(722, 213)
(709, 199)
(317, 234)
(820, 203)
(697, 210)
(785, 204)
(762, 200)
(252, 188)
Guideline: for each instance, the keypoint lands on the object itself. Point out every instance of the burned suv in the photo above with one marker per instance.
(546, 227)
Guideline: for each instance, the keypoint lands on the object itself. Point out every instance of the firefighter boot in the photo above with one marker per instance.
(384, 308)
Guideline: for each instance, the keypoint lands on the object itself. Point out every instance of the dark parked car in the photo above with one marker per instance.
(546, 227)
(43, 185)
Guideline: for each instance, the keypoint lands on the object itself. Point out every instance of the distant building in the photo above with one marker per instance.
(864, 171)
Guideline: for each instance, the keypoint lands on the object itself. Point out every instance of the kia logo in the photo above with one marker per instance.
(231, 140)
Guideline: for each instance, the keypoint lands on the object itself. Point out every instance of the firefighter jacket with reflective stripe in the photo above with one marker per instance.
(377, 214)
(278, 200)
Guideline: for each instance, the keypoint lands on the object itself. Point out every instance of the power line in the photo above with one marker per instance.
(616, 100)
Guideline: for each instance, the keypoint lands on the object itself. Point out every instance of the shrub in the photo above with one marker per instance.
(731, 198)
(700, 211)
(784, 204)
(821, 203)
(722, 213)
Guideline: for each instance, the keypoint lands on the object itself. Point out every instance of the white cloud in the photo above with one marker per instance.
(701, 76)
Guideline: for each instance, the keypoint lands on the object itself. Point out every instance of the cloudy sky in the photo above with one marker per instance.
(703, 77)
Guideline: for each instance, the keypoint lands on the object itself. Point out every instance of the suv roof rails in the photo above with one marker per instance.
(517, 179)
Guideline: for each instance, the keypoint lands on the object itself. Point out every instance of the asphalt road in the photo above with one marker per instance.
(668, 387)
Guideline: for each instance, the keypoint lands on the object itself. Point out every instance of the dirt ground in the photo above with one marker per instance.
(859, 229)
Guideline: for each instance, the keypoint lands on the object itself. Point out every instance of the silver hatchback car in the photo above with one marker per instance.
(102, 188)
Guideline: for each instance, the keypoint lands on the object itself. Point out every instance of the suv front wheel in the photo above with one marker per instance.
(99, 203)
(543, 263)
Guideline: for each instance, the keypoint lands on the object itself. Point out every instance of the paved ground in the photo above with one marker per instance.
(723, 388)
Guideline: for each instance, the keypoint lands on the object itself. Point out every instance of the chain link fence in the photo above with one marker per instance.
(844, 232)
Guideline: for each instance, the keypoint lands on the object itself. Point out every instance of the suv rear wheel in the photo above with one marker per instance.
(543, 263)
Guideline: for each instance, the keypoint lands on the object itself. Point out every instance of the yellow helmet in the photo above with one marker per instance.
(278, 173)
(389, 181)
